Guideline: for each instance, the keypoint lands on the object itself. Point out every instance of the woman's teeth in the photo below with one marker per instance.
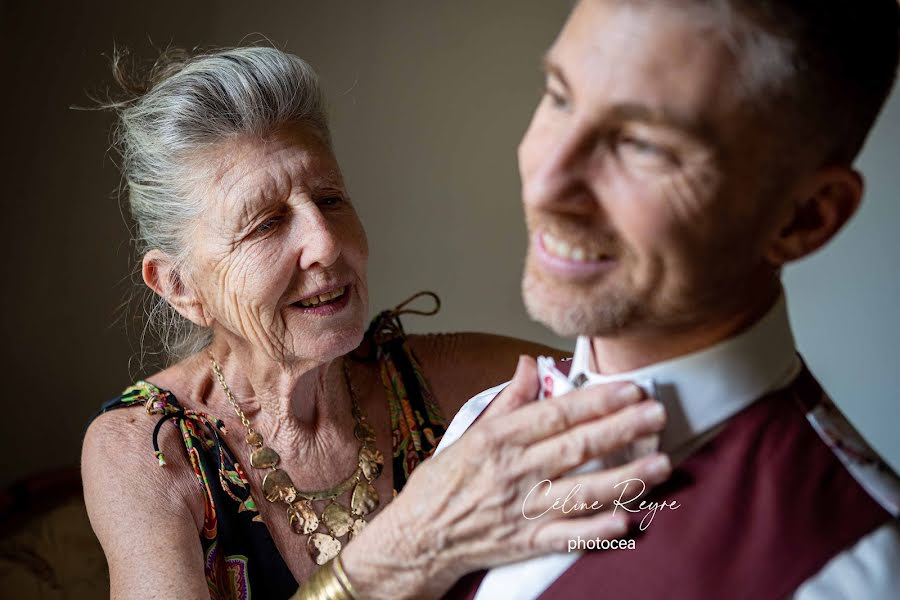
(321, 298)
(562, 249)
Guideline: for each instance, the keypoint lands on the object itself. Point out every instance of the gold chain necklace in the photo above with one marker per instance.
(338, 519)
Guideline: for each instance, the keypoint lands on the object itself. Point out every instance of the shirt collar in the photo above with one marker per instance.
(703, 389)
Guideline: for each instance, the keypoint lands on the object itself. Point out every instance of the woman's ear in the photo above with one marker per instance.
(161, 276)
(817, 210)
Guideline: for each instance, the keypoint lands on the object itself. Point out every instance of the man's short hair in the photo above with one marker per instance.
(819, 71)
(837, 66)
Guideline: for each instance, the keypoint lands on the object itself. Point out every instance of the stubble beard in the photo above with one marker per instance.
(571, 310)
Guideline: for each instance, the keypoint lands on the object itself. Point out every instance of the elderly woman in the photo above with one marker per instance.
(270, 428)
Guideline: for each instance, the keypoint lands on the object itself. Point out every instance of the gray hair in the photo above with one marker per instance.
(187, 104)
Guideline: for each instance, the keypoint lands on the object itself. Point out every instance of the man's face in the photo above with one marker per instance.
(640, 177)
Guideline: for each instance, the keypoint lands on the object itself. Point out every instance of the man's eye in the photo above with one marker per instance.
(268, 225)
(642, 146)
(645, 151)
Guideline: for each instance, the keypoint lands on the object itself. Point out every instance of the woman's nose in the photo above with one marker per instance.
(319, 243)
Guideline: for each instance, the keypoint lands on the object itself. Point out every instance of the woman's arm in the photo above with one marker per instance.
(140, 512)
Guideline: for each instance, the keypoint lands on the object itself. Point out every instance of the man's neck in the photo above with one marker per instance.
(627, 352)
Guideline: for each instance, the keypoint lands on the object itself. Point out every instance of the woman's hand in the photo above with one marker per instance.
(464, 509)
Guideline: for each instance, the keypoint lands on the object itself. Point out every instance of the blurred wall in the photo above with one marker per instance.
(429, 101)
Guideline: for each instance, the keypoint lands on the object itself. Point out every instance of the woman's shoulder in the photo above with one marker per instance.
(124, 446)
(126, 431)
(120, 421)
(119, 463)
(461, 364)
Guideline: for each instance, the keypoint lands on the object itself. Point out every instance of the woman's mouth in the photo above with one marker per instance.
(325, 303)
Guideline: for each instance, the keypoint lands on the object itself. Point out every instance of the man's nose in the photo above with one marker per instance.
(559, 176)
(319, 243)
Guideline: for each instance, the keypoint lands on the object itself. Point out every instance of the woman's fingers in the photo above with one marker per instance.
(540, 420)
(563, 452)
(522, 389)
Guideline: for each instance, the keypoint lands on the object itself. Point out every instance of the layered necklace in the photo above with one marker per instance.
(335, 520)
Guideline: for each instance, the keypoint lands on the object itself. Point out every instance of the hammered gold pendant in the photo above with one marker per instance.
(371, 461)
(322, 547)
(278, 487)
(303, 518)
(365, 498)
(357, 527)
(337, 519)
(263, 458)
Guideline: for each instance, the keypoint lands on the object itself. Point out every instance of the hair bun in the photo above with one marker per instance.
(135, 81)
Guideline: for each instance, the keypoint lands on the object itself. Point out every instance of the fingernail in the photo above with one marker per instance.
(659, 467)
(655, 414)
(630, 393)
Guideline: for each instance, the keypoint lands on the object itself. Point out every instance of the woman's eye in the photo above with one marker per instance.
(331, 200)
(557, 100)
(268, 225)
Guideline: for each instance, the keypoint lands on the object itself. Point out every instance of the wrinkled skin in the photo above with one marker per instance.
(280, 227)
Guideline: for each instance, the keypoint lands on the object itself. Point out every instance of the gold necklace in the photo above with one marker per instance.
(338, 519)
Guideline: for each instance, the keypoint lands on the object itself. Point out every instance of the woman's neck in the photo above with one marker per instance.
(299, 407)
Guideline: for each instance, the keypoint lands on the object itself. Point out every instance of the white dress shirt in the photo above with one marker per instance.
(701, 391)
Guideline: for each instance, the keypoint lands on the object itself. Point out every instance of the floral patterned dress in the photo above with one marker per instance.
(240, 557)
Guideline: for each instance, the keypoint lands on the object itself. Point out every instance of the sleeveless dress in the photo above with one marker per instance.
(240, 557)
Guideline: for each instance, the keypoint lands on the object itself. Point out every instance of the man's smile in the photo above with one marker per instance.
(568, 259)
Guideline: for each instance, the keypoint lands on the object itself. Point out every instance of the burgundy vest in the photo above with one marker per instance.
(764, 505)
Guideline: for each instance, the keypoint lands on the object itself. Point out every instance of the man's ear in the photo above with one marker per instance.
(161, 276)
(818, 209)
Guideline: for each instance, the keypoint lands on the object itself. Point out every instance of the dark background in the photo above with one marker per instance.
(424, 128)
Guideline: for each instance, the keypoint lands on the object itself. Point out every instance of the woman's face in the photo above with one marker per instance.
(278, 258)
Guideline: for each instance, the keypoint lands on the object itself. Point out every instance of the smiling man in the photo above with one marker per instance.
(682, 154)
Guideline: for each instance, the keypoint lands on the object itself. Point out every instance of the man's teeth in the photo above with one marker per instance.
(316, 300)
(562, 249)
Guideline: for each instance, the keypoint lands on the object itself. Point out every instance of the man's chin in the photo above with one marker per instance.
(569, 314)
(550, 308)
